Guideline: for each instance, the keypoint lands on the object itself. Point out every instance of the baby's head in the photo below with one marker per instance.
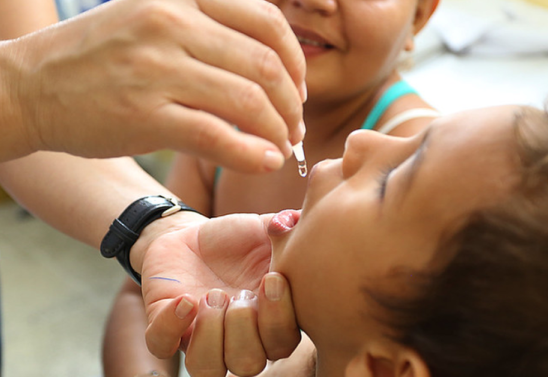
(351, 46)
(428, 255)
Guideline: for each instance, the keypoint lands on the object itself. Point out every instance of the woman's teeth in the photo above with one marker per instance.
(311, 42)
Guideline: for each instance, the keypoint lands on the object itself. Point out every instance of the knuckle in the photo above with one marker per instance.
(156, 15)
(152, 14)
(205, 137)
(270, 67)
(251, 99)
(295, 112)
(156, 350)
(276, 19)
(144, 61)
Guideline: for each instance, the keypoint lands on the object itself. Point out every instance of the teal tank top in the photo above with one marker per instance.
(397, 90)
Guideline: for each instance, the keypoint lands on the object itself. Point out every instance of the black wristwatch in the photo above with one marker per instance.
(125, 230)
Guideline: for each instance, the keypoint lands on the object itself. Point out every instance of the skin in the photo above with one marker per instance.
(43, 107)
(65, 87)
(341, 94)
(469, 162)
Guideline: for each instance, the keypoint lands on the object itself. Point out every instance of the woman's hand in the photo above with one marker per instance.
(130, 77)
(185, 255)
(240, 334)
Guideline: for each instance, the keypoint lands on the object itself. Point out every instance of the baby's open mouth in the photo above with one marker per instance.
(283, 222)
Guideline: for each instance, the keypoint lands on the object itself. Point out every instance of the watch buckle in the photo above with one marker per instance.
(176, 207)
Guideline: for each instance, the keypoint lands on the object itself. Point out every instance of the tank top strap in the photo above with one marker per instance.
(405, 116)
(397, 90)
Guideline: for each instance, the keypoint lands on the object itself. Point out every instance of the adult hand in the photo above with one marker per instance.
(130, 77)
(183, 257)
(240, 335)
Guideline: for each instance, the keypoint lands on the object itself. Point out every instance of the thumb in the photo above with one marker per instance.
(164, 332)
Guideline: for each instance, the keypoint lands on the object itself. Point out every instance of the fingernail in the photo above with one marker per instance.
(299, 133)
(244, 295)
(303, 91)
(273, 160)
(273, 287)
(302, 128)
(288, 150)
(216, 299)
(183, 308)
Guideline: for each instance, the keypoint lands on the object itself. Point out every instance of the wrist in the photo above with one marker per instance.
(127, 228)
(157, 228)
(16, 138)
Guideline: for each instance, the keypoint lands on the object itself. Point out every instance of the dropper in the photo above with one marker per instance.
(298, 151)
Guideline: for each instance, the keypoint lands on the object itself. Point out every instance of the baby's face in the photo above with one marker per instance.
(384, 208)
(349, 45)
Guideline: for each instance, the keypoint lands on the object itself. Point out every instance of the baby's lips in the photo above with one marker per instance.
(283, 222)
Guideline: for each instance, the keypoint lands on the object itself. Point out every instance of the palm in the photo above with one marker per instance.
(230, 252)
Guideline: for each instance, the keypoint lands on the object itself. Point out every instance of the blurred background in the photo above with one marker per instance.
(57, 292)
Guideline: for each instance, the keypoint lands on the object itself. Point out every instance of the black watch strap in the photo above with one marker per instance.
(125, 230)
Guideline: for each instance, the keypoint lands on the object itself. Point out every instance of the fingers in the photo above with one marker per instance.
(207, 136)
(204, 356)
(278, 327)
(164, 333)
(225, 337)
(262, 48)
(265, 23)
(239, 336)
(244, 354)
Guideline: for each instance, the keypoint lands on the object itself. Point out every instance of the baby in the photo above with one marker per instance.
(424, 256)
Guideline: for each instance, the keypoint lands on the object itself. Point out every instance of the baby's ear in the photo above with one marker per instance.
(388, 363)
(410, 364)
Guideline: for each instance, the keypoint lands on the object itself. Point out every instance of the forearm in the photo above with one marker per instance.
(80, 197)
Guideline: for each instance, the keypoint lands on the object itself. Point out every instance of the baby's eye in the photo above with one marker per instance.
(383, 180)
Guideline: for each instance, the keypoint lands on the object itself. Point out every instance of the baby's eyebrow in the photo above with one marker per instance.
(417, 161)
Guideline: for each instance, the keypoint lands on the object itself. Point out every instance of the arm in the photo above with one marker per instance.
(193, 179)
(125, 352)
(131, 77)
(80, 197)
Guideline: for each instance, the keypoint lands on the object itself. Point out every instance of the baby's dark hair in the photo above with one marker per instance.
(486, 313)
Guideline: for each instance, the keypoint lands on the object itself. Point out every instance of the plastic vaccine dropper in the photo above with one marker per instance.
(298, 151)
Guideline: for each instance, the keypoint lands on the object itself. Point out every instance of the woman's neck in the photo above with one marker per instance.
(327, 119)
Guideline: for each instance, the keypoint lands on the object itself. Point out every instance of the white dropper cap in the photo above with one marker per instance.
(298, 151)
